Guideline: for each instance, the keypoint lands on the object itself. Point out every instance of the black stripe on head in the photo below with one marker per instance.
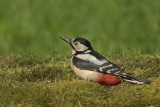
(84, 42)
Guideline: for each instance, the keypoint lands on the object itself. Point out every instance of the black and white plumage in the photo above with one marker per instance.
(89, 64)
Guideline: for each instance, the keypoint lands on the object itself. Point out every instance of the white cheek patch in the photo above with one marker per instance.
(88, 51)
(91, 59)
(80, 47)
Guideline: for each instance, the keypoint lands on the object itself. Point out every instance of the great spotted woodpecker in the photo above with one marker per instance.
(90, 65)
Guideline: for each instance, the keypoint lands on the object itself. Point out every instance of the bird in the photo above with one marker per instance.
(88, 64)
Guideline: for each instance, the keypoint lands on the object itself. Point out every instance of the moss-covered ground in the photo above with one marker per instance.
(30, 81)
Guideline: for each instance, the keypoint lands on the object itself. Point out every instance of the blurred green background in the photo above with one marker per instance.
(121, 26)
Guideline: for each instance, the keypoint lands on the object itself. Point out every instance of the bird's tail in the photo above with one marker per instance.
(130, 78)
(138, 80)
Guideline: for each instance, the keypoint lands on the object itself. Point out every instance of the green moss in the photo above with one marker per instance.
(30, 81)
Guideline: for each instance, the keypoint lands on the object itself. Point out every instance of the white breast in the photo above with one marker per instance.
(85, 74)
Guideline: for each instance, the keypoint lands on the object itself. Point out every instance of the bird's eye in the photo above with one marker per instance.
(76, 43)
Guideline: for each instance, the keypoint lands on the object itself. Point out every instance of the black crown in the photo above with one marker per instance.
(84, 42)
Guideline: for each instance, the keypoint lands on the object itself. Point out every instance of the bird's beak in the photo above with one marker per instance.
(66, 40)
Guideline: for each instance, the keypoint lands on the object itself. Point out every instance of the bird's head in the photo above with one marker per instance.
(78, 44)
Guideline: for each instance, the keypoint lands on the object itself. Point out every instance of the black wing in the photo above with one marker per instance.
(106, 67)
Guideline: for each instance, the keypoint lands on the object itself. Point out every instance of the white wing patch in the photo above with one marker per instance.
(110, 70)
(107, 66)
(134, 81)
(91, 59)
